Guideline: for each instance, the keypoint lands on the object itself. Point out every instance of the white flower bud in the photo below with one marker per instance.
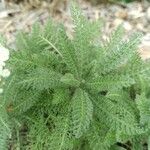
(2, 63)
(1, 90)
(5, 73)
(4, 54)
(1, 70)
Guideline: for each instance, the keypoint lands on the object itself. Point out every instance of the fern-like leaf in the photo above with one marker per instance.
(40, 79)
(85, 34)
(66, 50)
(100, 137)
(4, 129)
(69, 80)
(108, 82)
(120, 55)
(118, 117)
(82, 110)
(143, 105)
(60, 96)
(23, 101)
(60, 139)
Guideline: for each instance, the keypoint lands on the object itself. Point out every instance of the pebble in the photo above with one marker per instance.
(123, 14)
(140, 26)
(127, 26)
(144, 52)
(148, 14)
(117, 22)
(146, 40)
(144, 48)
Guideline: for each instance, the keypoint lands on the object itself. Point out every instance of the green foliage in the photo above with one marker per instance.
(75, 94)
(4, 129)
(82, 110)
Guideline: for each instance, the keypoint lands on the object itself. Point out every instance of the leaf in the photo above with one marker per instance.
(137, 143)
(82, 112)
(66, 50)
(149, 143)
(118, 55)
(85, 34)
(118, 117)
(4, 129)
(60, 139)
(41, 79)
(143, 104)
(68, 79)
(23, 101)
(100, 137)
(109, 82)
(114, 39)
(60, 96)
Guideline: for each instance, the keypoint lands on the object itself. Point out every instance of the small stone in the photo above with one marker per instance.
(144, 52)
(148, 14)
(117, 22)
(140, 26)
(146, 40)
(127, 26)
(121, 14)
(136, 11)
(145, 47)
(3, 14)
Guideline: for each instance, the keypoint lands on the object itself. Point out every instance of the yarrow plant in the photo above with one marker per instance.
(75, 94)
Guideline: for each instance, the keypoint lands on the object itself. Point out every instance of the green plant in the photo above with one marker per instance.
(76, 94)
